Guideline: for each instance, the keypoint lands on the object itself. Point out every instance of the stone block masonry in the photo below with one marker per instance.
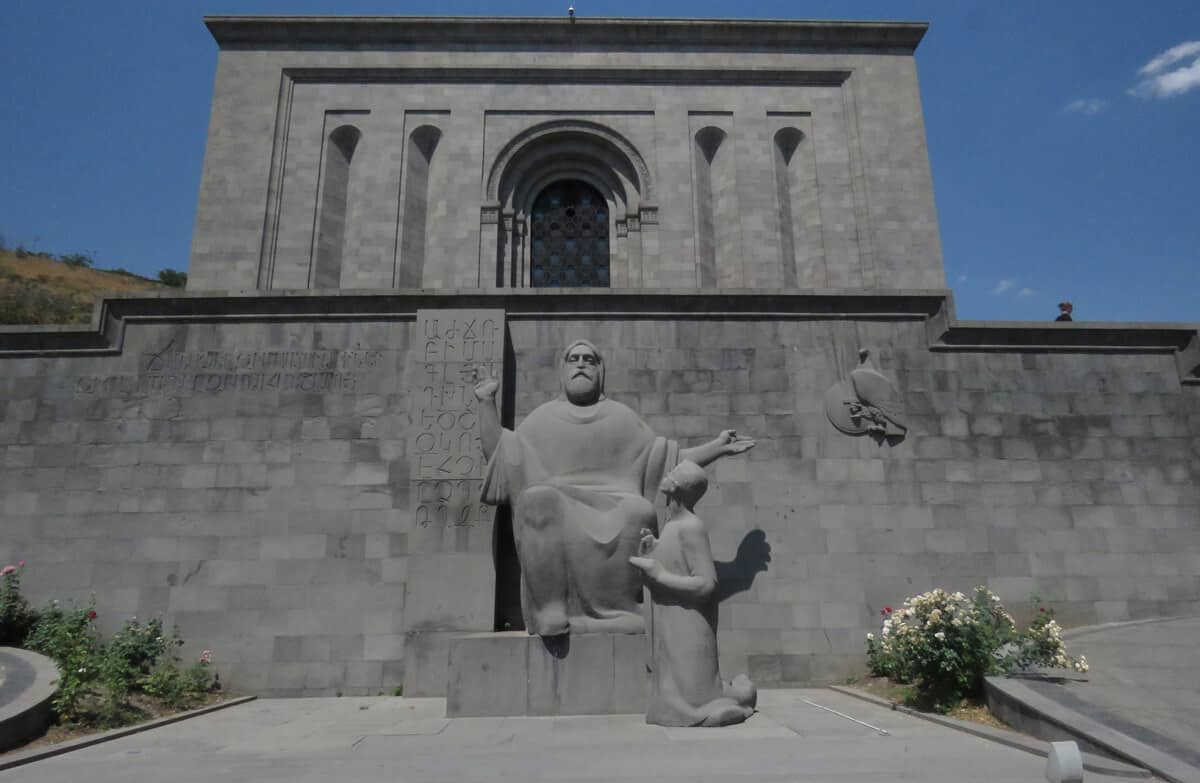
(244, 466)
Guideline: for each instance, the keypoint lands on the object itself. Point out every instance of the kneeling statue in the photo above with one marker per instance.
(685, 683)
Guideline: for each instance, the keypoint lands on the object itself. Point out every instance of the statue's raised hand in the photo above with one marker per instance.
(485, 385)
(732, 444)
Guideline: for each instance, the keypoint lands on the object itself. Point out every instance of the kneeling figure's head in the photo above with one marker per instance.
(686, 483)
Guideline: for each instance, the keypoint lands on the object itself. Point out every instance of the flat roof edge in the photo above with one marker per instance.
(749, 34)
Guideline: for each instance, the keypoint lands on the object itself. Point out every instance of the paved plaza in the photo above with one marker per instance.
(408, 741)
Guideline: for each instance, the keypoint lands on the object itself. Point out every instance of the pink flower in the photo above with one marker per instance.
(206, 656)
(21, 564)
(1042, 609)
(8, 569)
(91, 615)
(887, 609)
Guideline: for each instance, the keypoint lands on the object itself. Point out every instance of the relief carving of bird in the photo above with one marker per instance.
(879, 404)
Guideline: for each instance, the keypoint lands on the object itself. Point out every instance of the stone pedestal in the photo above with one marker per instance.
(513, 673)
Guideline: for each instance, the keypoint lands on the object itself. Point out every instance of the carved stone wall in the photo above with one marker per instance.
(278, 477)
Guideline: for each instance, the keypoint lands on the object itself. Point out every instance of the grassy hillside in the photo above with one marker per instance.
(38, 289)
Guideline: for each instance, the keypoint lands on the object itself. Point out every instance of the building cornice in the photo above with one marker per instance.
(935, 307)
(271, 32)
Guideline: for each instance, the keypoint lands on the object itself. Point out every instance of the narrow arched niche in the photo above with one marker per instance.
(787, 142)
(711, 166)
(340, 147)
(422, 144)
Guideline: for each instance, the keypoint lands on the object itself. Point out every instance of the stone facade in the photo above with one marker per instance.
(258, 466)
(814, 131)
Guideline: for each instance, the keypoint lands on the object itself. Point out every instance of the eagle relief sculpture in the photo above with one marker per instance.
(867, 403)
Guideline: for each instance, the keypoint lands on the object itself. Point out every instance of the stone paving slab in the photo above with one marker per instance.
(408, 740)
(1140, 701)
(1147, 676)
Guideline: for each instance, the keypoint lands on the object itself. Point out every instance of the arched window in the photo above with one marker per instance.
(568, 232)
(331, 223)
(585, 166)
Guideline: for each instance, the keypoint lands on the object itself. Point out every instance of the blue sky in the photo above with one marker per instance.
(1063, 135)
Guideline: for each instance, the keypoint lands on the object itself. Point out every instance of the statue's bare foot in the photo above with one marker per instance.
(726, 714)
(742, 691)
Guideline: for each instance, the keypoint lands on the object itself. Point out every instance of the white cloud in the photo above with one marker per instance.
(1026, 292)
(1170, 57)
(1004, 286)
(1086, 106)
(1165, 81)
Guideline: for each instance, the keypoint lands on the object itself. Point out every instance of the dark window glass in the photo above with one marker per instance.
(569, 233)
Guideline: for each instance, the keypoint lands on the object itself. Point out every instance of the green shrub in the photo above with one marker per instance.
(16, 617)
(128, 659)
(70, 638)
(946, 643)
(99, 680)
(173, 278)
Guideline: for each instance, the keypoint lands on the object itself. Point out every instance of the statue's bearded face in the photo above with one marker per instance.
(582, 374)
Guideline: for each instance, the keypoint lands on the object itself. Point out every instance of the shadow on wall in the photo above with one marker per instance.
(752, 558)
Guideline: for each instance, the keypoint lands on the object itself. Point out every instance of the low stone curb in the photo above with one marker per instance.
(1087, 630)
(26, 713)
(19, 759)
(1091, 762)
(1045, 716)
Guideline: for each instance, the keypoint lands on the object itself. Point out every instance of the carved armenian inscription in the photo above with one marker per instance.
(185, 373)
(444, 452)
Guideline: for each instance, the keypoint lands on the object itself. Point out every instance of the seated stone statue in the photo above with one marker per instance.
(580, 475)
(685, 683)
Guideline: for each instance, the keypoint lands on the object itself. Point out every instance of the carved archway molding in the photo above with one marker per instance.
(546, 134)
(549, 152)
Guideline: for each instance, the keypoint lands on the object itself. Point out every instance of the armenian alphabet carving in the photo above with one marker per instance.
(446, 460)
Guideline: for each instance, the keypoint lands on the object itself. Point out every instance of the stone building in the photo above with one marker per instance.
(282, 459)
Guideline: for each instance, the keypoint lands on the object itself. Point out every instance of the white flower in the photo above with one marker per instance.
(870, 637)
(940, 636)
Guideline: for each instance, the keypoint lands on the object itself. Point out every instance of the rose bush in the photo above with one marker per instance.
(946, 643)
(100, 680)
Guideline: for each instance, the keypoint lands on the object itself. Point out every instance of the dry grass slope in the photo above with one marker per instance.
(36, 289)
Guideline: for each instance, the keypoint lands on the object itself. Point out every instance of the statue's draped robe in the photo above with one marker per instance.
(685, 683)
(601, 464)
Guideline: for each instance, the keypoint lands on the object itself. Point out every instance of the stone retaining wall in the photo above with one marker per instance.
(242, 466)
